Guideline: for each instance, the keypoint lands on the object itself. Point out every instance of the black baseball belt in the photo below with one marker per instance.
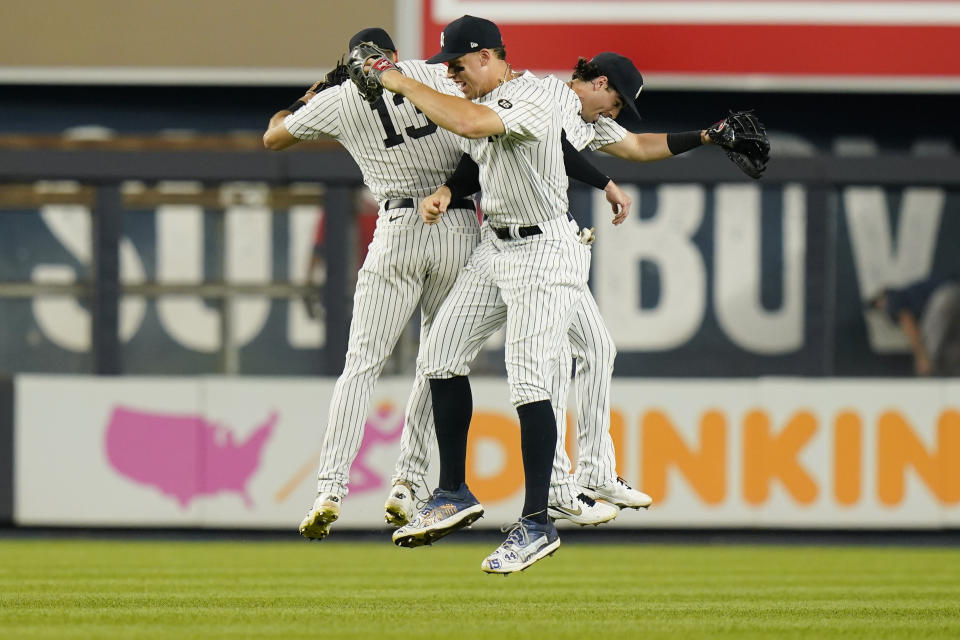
(408, 203)
(515, 233)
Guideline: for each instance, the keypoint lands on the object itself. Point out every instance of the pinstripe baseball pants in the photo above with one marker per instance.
(594, 351)
(532, 284)
(408, 263)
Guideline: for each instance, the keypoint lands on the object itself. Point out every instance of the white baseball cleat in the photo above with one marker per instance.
(621, 494)
(400, 506)
(323, 513)
(584, 510)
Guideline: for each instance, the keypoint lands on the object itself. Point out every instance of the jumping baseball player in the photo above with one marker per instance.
(399, 152)
(599, 105)
(403, 156)
(594, 94)
(529, 273)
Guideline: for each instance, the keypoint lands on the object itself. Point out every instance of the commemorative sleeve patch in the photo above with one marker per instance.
(503, 102)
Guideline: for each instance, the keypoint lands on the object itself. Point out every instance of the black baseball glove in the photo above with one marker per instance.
(744, 140)
(334, 78)
(368, 82)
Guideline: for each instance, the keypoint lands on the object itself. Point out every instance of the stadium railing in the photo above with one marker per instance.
(101, 168)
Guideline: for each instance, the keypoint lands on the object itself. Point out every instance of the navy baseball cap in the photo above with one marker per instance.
(466, 35)
(627, 81)
(376, 35)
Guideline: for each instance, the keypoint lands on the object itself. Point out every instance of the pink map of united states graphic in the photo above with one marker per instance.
(184, 456)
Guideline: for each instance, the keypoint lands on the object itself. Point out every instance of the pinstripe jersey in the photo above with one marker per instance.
(401, 156)
(582, 135)
(522, 175)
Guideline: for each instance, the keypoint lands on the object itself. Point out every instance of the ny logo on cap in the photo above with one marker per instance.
(473, 45)
(441, 39)
(638, 92)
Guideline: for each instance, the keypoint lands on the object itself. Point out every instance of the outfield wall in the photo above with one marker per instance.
(228, 452)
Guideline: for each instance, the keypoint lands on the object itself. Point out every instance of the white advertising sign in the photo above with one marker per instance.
(243, 452)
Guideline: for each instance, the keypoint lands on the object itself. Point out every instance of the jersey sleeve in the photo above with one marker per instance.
(320, 116)
(579, 133)
(440, 82)
(606, 131)
(523, 118)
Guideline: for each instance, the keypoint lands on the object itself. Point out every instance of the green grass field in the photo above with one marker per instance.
(207, 589)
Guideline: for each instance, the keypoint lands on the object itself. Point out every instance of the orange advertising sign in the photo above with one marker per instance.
(751, 457)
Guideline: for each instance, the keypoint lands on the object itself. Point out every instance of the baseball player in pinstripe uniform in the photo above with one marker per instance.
(529, 273)
(403, 156)
(589, 105)
(599, 105)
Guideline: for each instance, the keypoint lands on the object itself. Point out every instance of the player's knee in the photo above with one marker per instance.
(606, 352)
(361, 367)
(600, 357)
(530, 392)
(444, 371)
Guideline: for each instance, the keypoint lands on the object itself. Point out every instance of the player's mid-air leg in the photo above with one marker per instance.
(387, 293)
(595, 352)
(567, 500)
(453, 240)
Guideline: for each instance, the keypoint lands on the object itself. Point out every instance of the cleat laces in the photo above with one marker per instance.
(517, 535)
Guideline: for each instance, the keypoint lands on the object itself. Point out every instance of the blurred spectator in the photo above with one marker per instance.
(928, 312)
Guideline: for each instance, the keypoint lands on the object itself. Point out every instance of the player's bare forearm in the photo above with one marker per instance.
(640, 147)
(619, 201)
(458, 115)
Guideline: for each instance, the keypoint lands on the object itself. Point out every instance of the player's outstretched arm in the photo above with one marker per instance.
(646, 147)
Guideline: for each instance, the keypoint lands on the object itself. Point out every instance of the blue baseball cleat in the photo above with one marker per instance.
(527, 541)
(444, 513)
